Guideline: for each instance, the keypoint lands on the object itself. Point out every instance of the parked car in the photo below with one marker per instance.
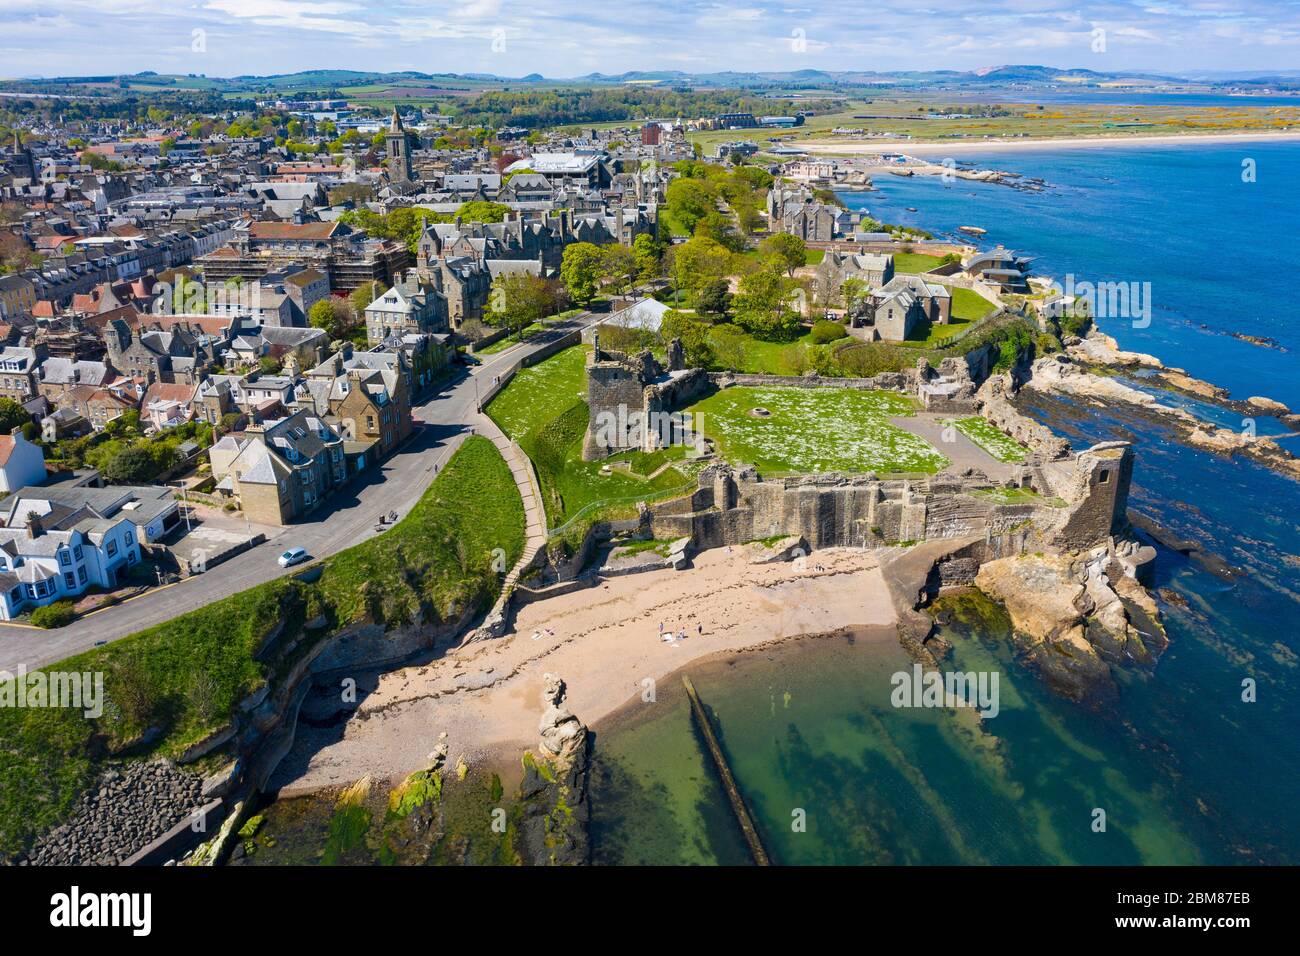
(292, 556)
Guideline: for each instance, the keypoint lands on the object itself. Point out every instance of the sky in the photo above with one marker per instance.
(566, 38)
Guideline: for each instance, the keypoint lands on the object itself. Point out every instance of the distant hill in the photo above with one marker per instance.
(1020, 76)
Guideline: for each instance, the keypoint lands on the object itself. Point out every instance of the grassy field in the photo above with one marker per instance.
(969, 305)
(543, 409)
(744, 353)
(816, 429)
(914, 262)
(184, 677)
(987, 435)
(541, 393)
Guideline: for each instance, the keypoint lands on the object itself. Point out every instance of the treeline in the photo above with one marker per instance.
(541, 108)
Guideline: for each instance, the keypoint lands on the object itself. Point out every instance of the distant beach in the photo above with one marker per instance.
(875, 148)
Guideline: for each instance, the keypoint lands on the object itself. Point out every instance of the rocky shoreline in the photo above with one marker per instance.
(1084, 371)
(130, 807)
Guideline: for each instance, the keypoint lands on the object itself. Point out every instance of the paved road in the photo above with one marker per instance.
(349, 516)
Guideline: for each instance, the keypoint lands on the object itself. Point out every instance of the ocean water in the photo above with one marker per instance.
(1185, 769)
(1218, 252)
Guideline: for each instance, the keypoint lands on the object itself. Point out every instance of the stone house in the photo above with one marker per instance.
(797, 212)
(40, 566)
(281, 469)
(413, 304)
(905, 302)
(19, 372)
(873, 269)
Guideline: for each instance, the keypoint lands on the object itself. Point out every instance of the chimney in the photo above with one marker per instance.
(34, 526)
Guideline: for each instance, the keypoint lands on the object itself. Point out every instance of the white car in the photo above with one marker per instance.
(291, 557)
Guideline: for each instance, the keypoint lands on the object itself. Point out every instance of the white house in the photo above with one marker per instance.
(39, 567)
(21, 462)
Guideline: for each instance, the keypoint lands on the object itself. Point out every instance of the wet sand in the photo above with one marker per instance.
(604, 642)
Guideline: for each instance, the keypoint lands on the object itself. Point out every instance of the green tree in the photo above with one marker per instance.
(713, 297)
(649, 254)
(132, 465)
(478, 210)
(325, 314)
(12, 415)
(694, 336)
(689, 201)
(853, 292)
(698, 261)
(520, 299)
(619, 265)
(581, 269)
(364, 294)
(762, 306)
(790, 251)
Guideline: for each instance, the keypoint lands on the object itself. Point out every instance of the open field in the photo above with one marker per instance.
(816, 429)
(902, 124)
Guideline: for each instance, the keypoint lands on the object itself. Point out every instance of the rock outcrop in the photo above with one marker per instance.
(1076, 618)
(553, 793)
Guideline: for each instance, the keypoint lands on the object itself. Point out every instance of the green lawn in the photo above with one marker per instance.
(184, 677)
(543, 409)
(969, 305)
(914, 262)
(513, 339)
(987, 435)
(812, 430)
(744, 353)
(541, 393)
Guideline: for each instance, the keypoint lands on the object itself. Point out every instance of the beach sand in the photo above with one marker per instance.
(604, 642)
(916, 147)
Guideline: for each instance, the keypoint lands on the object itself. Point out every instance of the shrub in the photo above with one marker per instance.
(824, 331)
(58, 614)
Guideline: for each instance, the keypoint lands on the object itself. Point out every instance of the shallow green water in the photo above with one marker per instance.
(811, 733)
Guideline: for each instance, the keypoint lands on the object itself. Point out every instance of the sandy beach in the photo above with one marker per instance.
(876, 147)
(605, 642)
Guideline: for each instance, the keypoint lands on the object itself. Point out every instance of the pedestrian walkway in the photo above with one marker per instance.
(534, 519)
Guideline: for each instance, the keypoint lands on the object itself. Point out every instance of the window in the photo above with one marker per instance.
(112, 548)
(16, 595)
(69, 579)
(77, 552)
(65, 559)
(1104, 477)
(130, 538)
(81, 575)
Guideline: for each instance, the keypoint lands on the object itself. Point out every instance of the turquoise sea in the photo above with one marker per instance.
(1185, 769)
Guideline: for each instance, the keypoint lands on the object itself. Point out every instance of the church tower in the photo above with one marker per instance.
(399, 150)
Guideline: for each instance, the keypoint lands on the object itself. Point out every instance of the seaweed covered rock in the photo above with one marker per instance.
(553, 794)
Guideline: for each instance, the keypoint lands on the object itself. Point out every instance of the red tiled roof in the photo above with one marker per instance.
(292, 230)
